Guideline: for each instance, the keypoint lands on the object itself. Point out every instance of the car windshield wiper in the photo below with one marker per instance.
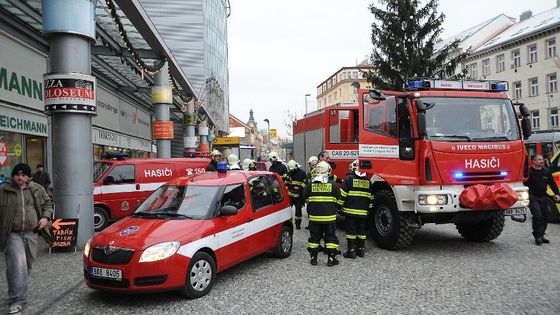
(453, 137)
(494, 139)
(161, 213)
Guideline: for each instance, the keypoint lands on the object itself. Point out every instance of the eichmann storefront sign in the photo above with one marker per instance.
(19, 121)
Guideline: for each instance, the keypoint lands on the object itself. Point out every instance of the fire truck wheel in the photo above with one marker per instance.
(388, 226)
(483, 231)
(283, 248)
(553, 216)
(100, 219)
(200, 276)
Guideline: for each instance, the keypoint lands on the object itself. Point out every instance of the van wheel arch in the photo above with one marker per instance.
(101, 215)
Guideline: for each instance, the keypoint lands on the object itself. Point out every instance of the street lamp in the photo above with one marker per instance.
(268, 129)
(306, 95)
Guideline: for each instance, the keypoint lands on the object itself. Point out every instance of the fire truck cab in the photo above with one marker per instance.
(424, 147)
(333, 129)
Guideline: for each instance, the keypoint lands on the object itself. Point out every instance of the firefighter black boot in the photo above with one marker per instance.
(351, 252)
(314, 253)
(332, 261)
(361, 248)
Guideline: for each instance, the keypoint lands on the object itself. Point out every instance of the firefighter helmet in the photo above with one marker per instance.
(273, 156)
(233, 162)
(246, 164)
(292, 165)
(322, 168)
(216, 152)
(354, 165)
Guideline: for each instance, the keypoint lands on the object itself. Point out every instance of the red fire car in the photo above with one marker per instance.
(188, 230)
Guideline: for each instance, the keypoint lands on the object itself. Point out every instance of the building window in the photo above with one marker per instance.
(551, 48)
(335, 95)
(554, 117)
(355, 74)
(533, 54)
(534, 84)
(517, 89)
(486, 67)
(474, 71)
(535, 118)
(500, 63)
(552, 83)
(515, 59)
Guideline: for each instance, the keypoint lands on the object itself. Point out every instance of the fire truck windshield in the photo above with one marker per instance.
(470, 119)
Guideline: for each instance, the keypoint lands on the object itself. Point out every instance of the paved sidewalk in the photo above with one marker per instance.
(52, 275)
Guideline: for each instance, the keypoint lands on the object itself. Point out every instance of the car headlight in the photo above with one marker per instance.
(160, 251)
(432, 200)
(523, 195)
(87, 247)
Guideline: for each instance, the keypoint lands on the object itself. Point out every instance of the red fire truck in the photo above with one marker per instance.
(425, 147)
(333, 129)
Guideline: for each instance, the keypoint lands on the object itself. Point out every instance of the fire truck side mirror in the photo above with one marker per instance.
(376, 95)
(421, 119)
(526, 127)
(525, 120)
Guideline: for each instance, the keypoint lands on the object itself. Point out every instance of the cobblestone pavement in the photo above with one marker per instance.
(440, 274)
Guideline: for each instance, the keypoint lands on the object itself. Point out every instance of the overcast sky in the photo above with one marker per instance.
(281, 50)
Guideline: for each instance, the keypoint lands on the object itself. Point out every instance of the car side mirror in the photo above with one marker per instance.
(228, 211)
(109, 180)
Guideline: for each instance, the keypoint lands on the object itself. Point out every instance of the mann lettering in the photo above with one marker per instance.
(320, 187)
(166, 172)
(12, 82)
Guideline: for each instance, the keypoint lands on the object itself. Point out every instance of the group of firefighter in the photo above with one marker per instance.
(320, 190)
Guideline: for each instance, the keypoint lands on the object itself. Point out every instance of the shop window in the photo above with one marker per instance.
(14, 143)
(35, 150)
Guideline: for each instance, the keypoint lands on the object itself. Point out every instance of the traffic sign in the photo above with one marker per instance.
(273, 133)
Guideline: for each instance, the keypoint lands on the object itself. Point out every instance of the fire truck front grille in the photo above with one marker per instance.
(481, 176)
(117, 257)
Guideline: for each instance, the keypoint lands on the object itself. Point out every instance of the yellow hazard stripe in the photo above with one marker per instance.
(354, 193)
(295, 182)
(362, 237)
(313, 245)
(322, 218)
(343, 193)
(355, 211)
(350, 237)
(321, 199)
(331, 246)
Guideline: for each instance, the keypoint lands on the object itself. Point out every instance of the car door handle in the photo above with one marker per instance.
(249, 220)
(137, 186)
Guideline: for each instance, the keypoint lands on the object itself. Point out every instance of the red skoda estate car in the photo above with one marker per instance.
(188, 230)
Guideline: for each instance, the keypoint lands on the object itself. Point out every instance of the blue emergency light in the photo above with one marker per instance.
(417, 84)
(503, 173)
(458, 175)
(472, 85)
(222, 167)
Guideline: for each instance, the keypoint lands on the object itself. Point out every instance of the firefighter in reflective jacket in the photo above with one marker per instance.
(297, 179)
(356, 199)
(277, 166)
(322, 196)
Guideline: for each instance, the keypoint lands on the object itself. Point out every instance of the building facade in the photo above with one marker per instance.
(196, 33)
(343, 86)
(526, 56)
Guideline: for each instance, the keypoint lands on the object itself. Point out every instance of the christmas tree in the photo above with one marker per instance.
(403, 37)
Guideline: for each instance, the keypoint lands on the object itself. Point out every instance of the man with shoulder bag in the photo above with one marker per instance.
(25, 209)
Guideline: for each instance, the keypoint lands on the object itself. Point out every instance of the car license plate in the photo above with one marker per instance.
(515, 211)
(114, 274)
